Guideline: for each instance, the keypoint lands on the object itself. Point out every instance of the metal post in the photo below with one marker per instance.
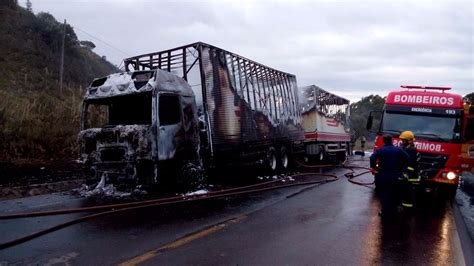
(61, 65)
(185, 73)
(204, 97)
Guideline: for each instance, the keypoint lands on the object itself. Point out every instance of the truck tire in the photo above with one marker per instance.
(192, 175)
(341, 157)
(284, 159)
(90, 176)
(147, 172)
(271, 160)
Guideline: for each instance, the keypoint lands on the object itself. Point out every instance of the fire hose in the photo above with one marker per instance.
(122, 207)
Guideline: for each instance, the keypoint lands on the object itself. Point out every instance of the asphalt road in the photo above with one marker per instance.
(333, 223)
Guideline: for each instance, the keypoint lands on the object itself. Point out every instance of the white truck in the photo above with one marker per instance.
(326, 124)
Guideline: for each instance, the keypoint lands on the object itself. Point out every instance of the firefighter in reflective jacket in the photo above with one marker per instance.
(387, 164)
(411, 175)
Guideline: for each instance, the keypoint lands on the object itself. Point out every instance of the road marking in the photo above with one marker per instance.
(181, 242)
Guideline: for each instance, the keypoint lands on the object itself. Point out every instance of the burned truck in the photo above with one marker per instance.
(196, 105)
(326, 124)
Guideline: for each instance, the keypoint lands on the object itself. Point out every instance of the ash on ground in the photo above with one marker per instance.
(103, 190)
(197, 192)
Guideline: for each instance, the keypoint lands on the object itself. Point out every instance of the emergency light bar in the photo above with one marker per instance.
(425, 87)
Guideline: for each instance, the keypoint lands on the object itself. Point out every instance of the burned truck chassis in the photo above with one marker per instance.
(243, 113)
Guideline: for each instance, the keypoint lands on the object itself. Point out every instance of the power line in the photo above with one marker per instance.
(100, 40)
(104, 42)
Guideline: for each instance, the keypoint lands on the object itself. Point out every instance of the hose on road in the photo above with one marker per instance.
(131, 206)
(117, 208)
(352, 174)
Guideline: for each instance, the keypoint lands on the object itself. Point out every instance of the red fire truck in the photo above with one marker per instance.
(443, 124)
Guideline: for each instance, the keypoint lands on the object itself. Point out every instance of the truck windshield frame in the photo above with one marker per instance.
(432, 127)
(130, 109)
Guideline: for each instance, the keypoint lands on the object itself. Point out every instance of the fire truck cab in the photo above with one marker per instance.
(443, 131)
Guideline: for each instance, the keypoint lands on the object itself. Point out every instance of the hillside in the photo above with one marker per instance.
(35, 122)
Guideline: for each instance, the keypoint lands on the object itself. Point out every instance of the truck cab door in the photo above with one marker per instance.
(467, 150)
(170, 133)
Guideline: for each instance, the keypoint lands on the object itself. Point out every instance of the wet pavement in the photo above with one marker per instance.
(333, 223)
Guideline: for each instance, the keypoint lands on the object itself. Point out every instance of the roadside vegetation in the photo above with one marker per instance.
(360, 112)
(470, 97)
(37, 123)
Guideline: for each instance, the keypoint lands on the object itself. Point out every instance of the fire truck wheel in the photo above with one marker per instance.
(284, 159)
(271, 160)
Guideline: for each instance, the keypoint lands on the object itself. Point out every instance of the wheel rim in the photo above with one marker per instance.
(272, 160)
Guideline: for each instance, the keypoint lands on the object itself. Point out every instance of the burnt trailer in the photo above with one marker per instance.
(195, 104)
(326, 124)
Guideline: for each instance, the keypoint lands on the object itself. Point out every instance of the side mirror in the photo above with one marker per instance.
(370, 120)
(457, 128)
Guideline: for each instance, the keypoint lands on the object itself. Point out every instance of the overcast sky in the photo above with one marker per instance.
(352, 48)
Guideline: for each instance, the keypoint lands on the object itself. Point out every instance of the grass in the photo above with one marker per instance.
(37, 125)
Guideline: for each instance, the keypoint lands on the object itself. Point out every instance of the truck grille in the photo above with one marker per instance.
(430, 164)
(112, 155)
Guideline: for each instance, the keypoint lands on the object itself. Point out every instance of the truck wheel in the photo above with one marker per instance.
(341, 156)
(147, 172)
(192, 175)
(284, 159)
(271, 160)
(90, 176)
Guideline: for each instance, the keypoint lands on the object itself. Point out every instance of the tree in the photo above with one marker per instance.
(52, 31)
(360, 112)
(87, 44)
(470, 97)
(29, 6)
(9, 3)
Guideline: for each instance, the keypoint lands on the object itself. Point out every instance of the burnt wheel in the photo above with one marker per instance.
(284, 159)
(192, 175)
(271, 160)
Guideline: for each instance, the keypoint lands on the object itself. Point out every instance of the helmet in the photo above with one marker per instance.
(407, 135)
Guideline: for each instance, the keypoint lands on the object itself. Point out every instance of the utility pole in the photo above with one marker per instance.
(29, 6)
(61, 66)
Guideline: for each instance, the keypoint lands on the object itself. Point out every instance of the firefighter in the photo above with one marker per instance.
(386, 164)
(411, 175)
(362, 144)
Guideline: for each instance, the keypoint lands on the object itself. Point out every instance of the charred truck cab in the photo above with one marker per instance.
(438, 121)
(131, 121)
(195, 105)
